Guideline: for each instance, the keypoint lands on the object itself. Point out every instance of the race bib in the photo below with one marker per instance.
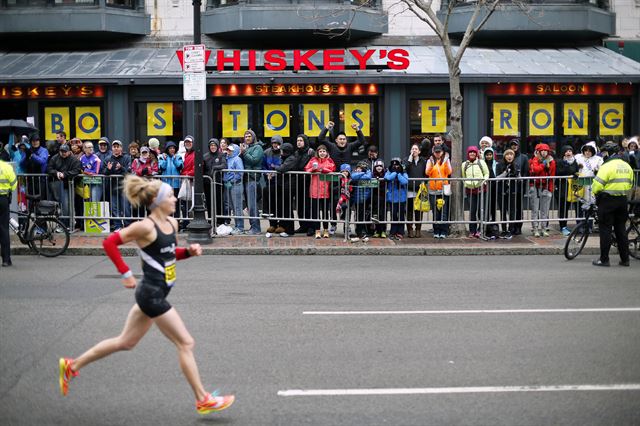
(170, 273)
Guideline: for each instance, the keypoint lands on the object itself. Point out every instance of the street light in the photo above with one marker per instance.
(199, 228)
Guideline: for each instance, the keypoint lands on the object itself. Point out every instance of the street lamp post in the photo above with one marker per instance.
(199, 228)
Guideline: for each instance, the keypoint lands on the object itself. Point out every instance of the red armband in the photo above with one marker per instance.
(110, 246)
(182, 253)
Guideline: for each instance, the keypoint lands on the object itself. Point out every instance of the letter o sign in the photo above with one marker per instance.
(270, 120)
(88, 122)
(546, 116)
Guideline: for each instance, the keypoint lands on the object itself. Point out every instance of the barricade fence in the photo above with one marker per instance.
(319, 201)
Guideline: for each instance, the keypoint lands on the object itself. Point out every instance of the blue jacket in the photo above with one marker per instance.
(170, 166)
(397, 187)
(234, 162)
(36, 162)
(360, 194)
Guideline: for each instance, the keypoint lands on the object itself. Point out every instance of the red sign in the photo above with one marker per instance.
(558, 89)
(50, 92)
(325, 89)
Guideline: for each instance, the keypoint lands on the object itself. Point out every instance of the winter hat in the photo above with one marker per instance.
(486, 139)
(214, 141)
(276, 139)
(345, 167)
(188, 138)
(514, 141)
(472, 149)
(364, 165)
(144, 149)
(543, 147)
(372, 148)
(564, 150)
(590, 146)
(169, 145)
(378, 163)
(154, 143)
(287, 149)
(487, 150)
(633, 140)
(64, 148)
(508, 151)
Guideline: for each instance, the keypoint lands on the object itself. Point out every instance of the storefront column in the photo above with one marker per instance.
(395, 122)
(32, 111)
(119, 119)
(474, 115)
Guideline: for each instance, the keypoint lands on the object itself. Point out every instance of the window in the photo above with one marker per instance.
(161, 120)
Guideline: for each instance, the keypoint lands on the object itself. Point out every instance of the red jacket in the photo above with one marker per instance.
(189, 168)
(319, 188)
(538, 168)
(144, 169)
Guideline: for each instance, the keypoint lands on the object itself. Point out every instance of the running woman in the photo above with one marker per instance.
(156, 238)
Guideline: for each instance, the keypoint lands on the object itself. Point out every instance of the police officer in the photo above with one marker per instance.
(8, 184)
(611, 186)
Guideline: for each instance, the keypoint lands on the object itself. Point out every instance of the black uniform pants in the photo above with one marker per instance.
(5, 242)
(612, 212)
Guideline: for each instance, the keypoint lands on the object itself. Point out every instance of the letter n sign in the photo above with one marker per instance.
(433, 116)
(505, 119)
(541, 121)
(160, 119)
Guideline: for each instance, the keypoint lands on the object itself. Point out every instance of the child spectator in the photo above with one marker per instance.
(485, 142)
(541, 190)
(319, 190)
(171, 164)
(566, 165)
(361, 179)
(477, 172)
(213, 162)
(134, 150)
(438, 168)
(508, 192)
(345, 195)
(233, 187)
(416, 169)
(143, 166)
(632, 152)
(588, 165)
(397, 183)
(378, 200)
(90, 168)
(491, 198)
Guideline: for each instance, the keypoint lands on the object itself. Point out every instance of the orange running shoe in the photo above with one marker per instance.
(66, 374)
(212, 403)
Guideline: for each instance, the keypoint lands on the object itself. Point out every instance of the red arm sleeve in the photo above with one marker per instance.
(182, 253)
(110, 246)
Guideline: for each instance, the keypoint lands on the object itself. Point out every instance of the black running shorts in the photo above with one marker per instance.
(152, 299)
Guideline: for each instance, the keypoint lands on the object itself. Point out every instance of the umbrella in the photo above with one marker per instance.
(17, 126)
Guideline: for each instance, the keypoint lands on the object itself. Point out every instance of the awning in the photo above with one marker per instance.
(427, 65)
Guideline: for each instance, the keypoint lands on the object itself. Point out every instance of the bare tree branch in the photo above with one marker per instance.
(424, 7)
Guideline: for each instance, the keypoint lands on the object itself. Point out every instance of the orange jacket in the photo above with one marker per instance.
(438, 170)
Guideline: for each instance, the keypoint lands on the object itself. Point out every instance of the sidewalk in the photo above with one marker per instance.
(91, 245)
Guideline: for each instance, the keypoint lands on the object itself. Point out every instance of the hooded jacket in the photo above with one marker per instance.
(252, 157)
(360, 181)
(171, 165)
(476, 170)
(212, 163)
(588, 167)
(305, 153)
(36, 160)
(543, 167)
(397, 182)
(234, 162)
(319, 188)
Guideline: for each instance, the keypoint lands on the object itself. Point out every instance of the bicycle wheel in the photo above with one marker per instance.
(576, 241)
(49, 237)
(633, 235)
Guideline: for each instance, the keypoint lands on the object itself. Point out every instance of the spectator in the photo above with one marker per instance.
(134, 150)
(104, 150)
(633, 154)
(345, 190)
(19, 154)
(397, 183)
(35, 162)
(438, 140)
(214, 162)
(62, 169)
(252, 154)
(4, 154)
(283, 207)
(475, 170)
(185, 194)
(485, 142)
(77, 148)
(508, 192)
(378, 200)
(90, 168)
(566, 165)
(302, 181)
(416, 170)
(542, 165)
(341, 151)
(270, 162)
(437, 169)
(116, 166)
(154, 145)
(425, 148)
(144, 166)
(320, 190)
(588, 165)
(61, 139)
(491, 230)
(372, 155)
(224, 149)
(361, 196)
(233, 186)
(521, 164)
(171, 164)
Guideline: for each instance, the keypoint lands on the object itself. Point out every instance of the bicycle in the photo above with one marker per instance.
(41, 230)
(580, 234)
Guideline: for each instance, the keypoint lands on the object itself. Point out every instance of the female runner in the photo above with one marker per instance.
(156, 238)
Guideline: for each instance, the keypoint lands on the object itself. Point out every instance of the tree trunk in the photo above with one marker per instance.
(457, 154)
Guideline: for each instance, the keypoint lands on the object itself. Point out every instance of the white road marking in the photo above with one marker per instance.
(455, 390)
(474, 311)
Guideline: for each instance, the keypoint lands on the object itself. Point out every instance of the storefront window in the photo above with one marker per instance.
(428, 117)
(161, 120)
(83, 120)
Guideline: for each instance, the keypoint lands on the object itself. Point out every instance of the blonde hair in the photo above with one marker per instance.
(140, 191)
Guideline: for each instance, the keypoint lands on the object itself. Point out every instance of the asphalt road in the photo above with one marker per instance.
(272, 329)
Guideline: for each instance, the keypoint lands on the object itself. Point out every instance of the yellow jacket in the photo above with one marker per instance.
(8, 180)
(615, 177)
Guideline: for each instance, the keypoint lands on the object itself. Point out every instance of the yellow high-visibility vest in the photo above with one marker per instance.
(8, 180)
(615, 177)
